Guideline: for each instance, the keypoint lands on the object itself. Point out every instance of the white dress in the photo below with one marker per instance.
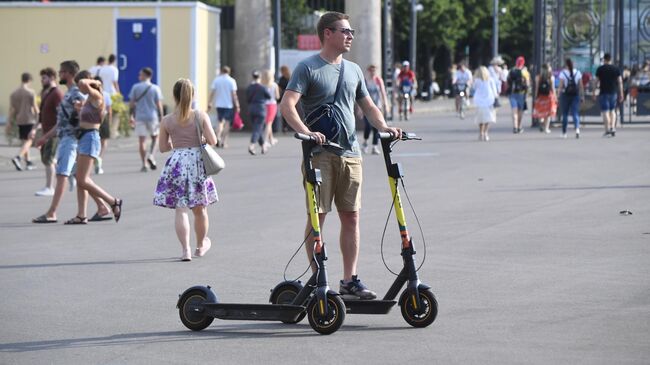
(485, 91)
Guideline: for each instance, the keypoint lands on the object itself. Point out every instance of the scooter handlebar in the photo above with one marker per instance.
(306, 137)
(405, 136)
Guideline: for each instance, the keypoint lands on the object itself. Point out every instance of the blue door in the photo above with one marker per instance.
(136, 48)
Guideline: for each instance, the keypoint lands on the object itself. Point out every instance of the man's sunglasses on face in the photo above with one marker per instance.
(346, 31)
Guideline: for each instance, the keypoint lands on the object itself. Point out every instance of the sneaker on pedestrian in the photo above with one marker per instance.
(365, 148)
(144, 169)
(152, 163)
(16, 162)
(72, 182)
(515, 130)
(375, 150)
(98, 166)
(45, 192)
(613, 132)
(355, 289)
(563, 135)
(30, 166)
(547, 131)
(578, 133)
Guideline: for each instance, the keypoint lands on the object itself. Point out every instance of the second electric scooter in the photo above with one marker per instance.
(418, 304)
(198, 306)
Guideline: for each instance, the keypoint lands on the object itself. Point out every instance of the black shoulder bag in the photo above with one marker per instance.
(323, 119)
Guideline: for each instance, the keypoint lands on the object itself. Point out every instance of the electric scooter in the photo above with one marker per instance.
(198, 306)
(418, 304)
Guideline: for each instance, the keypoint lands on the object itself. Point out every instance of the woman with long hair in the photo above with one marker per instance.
(271, 105)
(485, 92)
(183, 183)
(571, 94)
(545, 106)
(91, 115)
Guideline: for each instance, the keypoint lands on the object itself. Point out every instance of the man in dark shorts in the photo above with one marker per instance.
(223, 96)
(51, 97)
(24, 112)
(313, 83)
(610, 84)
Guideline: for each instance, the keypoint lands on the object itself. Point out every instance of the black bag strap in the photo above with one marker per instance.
(338, 84)
(143, 94)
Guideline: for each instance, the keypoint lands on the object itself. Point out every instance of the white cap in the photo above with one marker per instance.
(406, 63)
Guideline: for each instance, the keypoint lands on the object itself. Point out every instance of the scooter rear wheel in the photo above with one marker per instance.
(285, 295)
(427, 312)
(332, 320)
(191, 314)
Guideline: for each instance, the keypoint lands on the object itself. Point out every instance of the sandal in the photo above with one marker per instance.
(99, 218)
(118, 213)
(77, 220)
(201, 251)
(44, 219)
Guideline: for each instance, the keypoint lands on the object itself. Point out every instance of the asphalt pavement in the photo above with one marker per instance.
(526, 249)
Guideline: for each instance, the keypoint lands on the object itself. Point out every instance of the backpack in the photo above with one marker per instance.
(544, 87)
(571, 86)
(516, 81)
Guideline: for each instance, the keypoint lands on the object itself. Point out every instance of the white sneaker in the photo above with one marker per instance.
(365, 148)
(563, 135)
(45, 192)
(375, 150)
(547, 131)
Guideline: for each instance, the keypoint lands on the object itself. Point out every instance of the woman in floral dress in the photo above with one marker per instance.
(183, 183)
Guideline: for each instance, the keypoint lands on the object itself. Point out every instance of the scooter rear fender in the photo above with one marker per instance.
(210, 295)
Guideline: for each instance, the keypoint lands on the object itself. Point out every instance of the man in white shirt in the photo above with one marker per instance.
(101, 61)
(110, 74)
(223, 96)
(462, 82)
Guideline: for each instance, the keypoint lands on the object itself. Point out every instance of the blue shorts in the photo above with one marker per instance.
(517, 101)
(227, 114)
(90, 144)
(607, 102)
(66, 155)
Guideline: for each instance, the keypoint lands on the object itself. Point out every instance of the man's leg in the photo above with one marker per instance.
(226, 132)
(142, 150)
(61, 182)
(349, 242)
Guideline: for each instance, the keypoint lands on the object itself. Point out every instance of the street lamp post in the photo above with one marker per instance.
(495, 29)
(415, 7)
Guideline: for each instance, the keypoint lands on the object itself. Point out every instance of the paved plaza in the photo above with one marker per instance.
(526, 252)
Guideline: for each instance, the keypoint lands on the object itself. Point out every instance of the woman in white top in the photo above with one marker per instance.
(485, 92)
(571, 94)
(271, 105)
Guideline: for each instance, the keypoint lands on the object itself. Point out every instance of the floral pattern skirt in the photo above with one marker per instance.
(545, 106)
(183, 182)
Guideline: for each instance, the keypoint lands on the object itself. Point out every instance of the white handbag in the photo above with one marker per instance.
(211, 160)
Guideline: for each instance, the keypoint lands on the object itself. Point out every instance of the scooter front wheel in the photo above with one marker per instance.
(332, 320)
(422, 314)
(285, 294)
(191, 311)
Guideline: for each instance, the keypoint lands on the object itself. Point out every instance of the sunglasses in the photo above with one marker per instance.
(346, 31)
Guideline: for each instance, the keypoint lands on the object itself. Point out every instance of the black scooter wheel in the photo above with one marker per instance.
(285, 294)
(191, 311)
(332, 320)
(425, 314)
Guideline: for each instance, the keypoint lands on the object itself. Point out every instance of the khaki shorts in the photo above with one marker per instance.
(48, 151)
(342, 177)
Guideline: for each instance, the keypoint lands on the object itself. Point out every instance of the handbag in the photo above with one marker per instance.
(237, 122)
(323, 118)
(211, 160)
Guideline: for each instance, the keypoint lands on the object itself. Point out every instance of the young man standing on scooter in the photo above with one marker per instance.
(314, 83)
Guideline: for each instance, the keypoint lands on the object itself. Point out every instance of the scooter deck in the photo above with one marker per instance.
(254, 312)
(357, 306)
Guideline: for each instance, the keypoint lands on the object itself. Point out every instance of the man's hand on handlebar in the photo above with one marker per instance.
(395, 132)
(317, 137)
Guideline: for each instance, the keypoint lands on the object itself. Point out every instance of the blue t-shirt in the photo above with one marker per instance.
(316, 80)
(147, 96)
